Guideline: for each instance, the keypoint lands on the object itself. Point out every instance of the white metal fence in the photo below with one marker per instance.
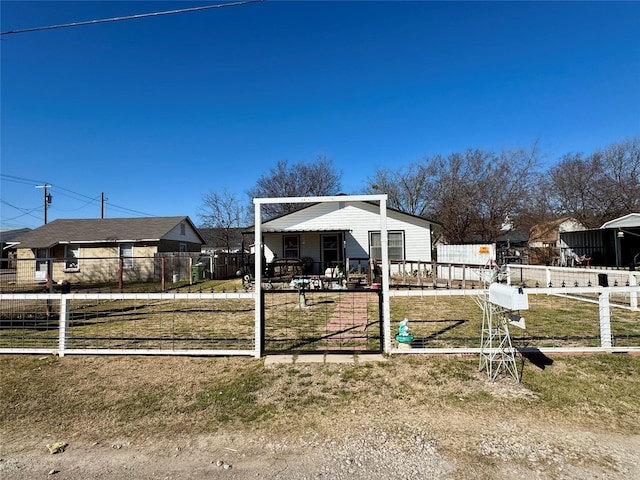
(128, 323)
(569, 318)
(548, 276)
(566, 319)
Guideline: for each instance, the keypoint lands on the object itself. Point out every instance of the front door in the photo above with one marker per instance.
(331, 250)
(42, 265)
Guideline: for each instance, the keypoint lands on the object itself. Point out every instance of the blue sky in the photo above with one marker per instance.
(157, 112)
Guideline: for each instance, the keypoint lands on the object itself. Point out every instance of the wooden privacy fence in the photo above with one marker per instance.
(566, 318)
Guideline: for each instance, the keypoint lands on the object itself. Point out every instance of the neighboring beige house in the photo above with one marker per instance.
(547, 236)
(94, 250)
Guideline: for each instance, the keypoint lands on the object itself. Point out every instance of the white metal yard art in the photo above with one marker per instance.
(500, 305)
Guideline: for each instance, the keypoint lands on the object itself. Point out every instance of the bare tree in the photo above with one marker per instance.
(408, 189)
(471, 193)
(296, 180)
(539, 207)
(599, 187)
(620, 180)
(225, 214)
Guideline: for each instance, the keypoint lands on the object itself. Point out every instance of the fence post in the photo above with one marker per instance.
(547, 274)
(62, 326)
(464, 276)
(120, 274)
(633, 296)
(163, 267)
(434, 273)
(605, 319)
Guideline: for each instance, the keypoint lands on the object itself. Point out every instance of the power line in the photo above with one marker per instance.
(86, 202)
(29, 181)
(25, 211)
(129, 17)
(124, 209)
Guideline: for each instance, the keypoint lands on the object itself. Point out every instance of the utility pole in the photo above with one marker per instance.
(102, 205)
(47, 199)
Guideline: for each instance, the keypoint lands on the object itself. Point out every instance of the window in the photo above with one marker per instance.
(183, 229)
(183, 247)
(126, 253)
(72, 257)
(291, 247)
(396, 245)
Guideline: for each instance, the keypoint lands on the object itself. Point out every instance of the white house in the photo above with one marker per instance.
(347, 233)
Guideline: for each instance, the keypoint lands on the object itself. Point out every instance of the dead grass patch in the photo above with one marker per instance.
(184, 396)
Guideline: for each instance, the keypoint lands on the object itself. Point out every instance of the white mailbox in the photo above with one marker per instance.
(508, 297)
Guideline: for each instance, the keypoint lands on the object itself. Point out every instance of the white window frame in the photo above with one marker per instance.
(127, 258)
(396, 252)
(72, 251)
(293, 247)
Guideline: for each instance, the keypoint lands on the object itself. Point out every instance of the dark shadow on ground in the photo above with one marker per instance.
(536, 357)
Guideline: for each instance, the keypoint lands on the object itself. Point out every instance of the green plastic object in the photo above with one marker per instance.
(404, 338)
(403, 335)
(197, 272)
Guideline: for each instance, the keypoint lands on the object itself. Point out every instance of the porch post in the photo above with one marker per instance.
(384, 246)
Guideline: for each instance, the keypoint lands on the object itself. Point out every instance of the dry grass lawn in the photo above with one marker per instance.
(164, 400)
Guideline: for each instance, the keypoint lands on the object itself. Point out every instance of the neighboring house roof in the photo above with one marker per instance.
(9, 234)
(631, 220)
(216, 237)
(514, 236)
(101, 230)
(548, 232)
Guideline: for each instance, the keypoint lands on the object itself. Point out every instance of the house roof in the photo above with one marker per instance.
(297, 230)
(9, 234)
(101, 230)
(514, 236)
(216, 237)
(389, 209)
(631, 220)
(548, 231)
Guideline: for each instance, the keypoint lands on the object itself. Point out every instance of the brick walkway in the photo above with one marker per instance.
(346, 329)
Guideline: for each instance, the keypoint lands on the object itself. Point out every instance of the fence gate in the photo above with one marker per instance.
(307, 321)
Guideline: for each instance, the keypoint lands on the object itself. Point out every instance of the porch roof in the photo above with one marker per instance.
(299, 230)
